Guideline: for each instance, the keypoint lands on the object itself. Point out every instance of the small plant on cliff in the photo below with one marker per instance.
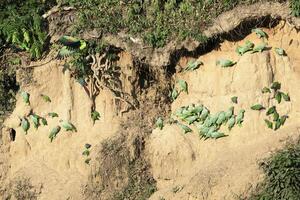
(295, 6)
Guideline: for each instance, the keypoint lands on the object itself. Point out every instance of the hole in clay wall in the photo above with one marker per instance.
(12, 134)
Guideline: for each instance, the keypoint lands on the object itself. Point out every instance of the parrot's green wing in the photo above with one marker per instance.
(278, 96)
(185, 128)
(234, 99)
(52, 114)
(95, 116)
(68, 126)
(275, 116)
(260, 33)
(286, 96)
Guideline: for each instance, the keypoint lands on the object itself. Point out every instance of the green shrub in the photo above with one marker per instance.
(295, 6)
(282, 172)
(22, 26)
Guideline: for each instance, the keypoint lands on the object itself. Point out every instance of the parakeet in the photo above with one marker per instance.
(52, 114)
(204, 114)
(68, 126)
(25, 125)
(95, 116)
(159, 123)
(174, 94)
(87, 161)
(283, 119)
(271, 110)
(185, 128)
(243, 49)
(87, 146)
(225, 63)
(54, 132)
(86, 152)
(269, 124)
(44, 121)
(240, 117)
(46, 98)
(221, 118)
(260, 33)
(275, 116)
(35, 120)
(234, 99)
(69, 41)
(191, 119)
(229, 112)
(25, 97)
(257, 107)
(259, 48)
(276, 86)
(217, 134)
(277, 125)
(266, 90)
(231, 122)
(193, 65)
(286, 96)
(183, 85)
(278, 96)
(280, 51)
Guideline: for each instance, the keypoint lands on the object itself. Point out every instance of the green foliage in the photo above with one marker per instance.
(22, 26)
(157, 22)
(282, 172)
(295, 7)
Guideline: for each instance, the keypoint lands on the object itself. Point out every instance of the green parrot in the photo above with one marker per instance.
(174, 94)
(225, 63)
(183, 85)
(286, 96)
(234, 99)
(87, 146)
(86, 152)
(44, 121)
(260, 33)
(52, 114)
(271, 110)
(25, 125)
(159, 123)
(241, 50)
(204, 114)
(46, 98)
(231, 122)
(185, 128)
(54, 132)
(68, 126)
(280, 51)
(221, 118)
(35, 119)
(278, 96)
(283, 119)
(257, 107)
(266, 90)
(275, 116)
(229, 113)
(269, 124)
(217, 134)
(193, 65)
(25, 97)
(259, 48)
(276, 86)
(240, 117)
(95, 116)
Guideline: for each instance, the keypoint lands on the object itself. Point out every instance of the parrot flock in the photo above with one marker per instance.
(36, 120)
(274, 121)
(207, 124)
